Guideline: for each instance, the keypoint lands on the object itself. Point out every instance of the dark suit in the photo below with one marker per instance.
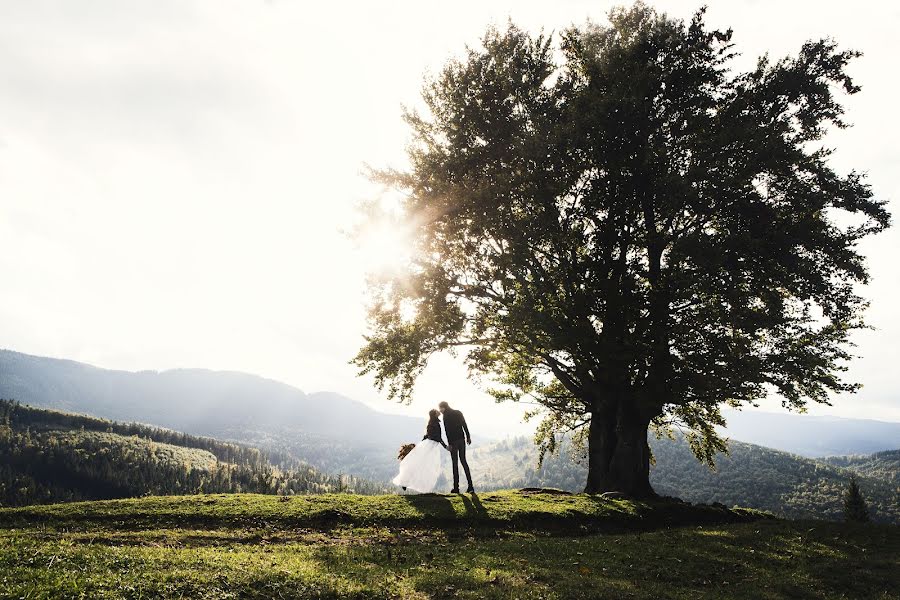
(457, 434)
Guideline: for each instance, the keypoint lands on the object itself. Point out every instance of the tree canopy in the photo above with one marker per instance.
(615, 225)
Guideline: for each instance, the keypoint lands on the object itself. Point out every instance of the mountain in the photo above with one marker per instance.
(812, 436)
(337, 434)
(325, 429)
(753, 476)
(192, 399)
(50, 456)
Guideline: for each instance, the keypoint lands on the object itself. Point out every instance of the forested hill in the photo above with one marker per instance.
(750, 475)
(881, 465)
(331, 432)
(49, 456)
(326, 430)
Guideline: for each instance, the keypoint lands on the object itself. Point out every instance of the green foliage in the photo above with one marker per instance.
(855, 508)
(881, 465)
(413, 547)
(48, 456)
(784, 484)
(618, 226)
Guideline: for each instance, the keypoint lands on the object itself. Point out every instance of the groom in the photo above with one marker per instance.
(457, 436)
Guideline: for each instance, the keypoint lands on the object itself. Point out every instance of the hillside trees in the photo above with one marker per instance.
(751, 476)
(855, 508)
(628, 233)
(48, 456)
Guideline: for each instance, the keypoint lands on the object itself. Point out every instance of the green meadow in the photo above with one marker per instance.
(496, 545)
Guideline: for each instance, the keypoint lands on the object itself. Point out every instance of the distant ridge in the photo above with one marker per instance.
(322, 428)
(330, 431)
(192, 399)
(812, 436)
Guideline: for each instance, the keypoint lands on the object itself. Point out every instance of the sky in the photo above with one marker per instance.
(178, 178)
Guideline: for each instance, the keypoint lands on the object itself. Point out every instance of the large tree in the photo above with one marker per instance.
(628, 233)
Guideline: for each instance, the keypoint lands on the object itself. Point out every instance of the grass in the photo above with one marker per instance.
(498, 545)
(546, 509)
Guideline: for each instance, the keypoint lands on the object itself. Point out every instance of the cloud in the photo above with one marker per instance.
(175, 176)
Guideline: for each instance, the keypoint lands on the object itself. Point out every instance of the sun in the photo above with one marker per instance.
(385, 247)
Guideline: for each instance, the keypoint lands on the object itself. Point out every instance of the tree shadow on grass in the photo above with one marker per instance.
(649, 514)
(764, 561)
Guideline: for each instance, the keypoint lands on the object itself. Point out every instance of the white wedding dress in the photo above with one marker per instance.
(421, 468)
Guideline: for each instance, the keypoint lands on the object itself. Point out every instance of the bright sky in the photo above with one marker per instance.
(176, 177)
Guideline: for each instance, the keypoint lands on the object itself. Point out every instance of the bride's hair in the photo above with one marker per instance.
(433, 414)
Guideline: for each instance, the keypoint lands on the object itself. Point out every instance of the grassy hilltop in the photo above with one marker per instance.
(497, 545)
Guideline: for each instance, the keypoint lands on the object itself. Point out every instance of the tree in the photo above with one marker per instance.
(855, 508)
(629, 235)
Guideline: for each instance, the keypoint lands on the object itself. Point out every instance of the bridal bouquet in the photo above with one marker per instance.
(404, 450)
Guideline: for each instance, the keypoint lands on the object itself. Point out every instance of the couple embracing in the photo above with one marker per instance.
(420, 469)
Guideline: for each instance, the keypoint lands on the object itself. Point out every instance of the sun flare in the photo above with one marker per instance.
(384, 248)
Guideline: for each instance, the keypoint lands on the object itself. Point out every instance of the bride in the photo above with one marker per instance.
(421, 468)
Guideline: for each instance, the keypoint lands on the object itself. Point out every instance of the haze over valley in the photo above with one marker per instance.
(337, 435)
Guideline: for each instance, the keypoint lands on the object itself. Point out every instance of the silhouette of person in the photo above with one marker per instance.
(457, 437)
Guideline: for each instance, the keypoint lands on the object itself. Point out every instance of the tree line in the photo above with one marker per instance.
(750, 476)
(48, 456)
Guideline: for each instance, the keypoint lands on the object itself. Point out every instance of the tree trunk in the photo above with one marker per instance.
(618, 452)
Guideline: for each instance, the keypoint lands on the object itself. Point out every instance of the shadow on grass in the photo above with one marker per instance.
(523, 511)
(438, 507)
(474, 507)
(432, 507)
(655, 513)
(766, 561)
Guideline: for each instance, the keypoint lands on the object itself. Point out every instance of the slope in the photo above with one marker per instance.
(325, 429)
(881, 465)
(499, 545)
(48, 456)
(750, 475)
